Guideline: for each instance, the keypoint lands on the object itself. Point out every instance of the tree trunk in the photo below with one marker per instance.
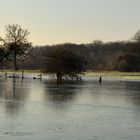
(2, 66)
(59, 78)
(15, 62)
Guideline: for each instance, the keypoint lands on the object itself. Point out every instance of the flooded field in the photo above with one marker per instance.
(87, 110)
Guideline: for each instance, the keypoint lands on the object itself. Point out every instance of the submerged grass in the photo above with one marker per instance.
(114, 74)
(19, 71)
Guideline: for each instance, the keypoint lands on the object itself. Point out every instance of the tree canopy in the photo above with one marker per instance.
(16, 41)
(64, 62)
(137, 36)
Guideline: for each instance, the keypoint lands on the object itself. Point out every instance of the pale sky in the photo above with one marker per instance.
(75, 21)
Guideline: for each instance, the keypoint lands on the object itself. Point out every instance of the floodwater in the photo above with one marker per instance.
(87, 110)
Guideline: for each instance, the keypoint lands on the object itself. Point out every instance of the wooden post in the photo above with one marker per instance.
(22, 74)
(100, 79)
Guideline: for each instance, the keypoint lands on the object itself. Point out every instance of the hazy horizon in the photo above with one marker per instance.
(75, 21)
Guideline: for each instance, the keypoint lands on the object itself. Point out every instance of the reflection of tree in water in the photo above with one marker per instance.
(62, 95)
(133, 94)
(15, 94)
(133, 90)
(2, 85)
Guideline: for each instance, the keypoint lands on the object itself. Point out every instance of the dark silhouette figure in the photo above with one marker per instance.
(100, 79)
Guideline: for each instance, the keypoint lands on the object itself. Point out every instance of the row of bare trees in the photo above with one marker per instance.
(59, 61)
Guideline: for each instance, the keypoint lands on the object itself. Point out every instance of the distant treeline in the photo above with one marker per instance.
(16, 52)
(116, 56)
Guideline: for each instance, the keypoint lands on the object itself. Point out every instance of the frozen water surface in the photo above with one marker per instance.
(86, 110)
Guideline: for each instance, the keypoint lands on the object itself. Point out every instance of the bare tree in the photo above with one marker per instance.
(16, 41)
(137, 36)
